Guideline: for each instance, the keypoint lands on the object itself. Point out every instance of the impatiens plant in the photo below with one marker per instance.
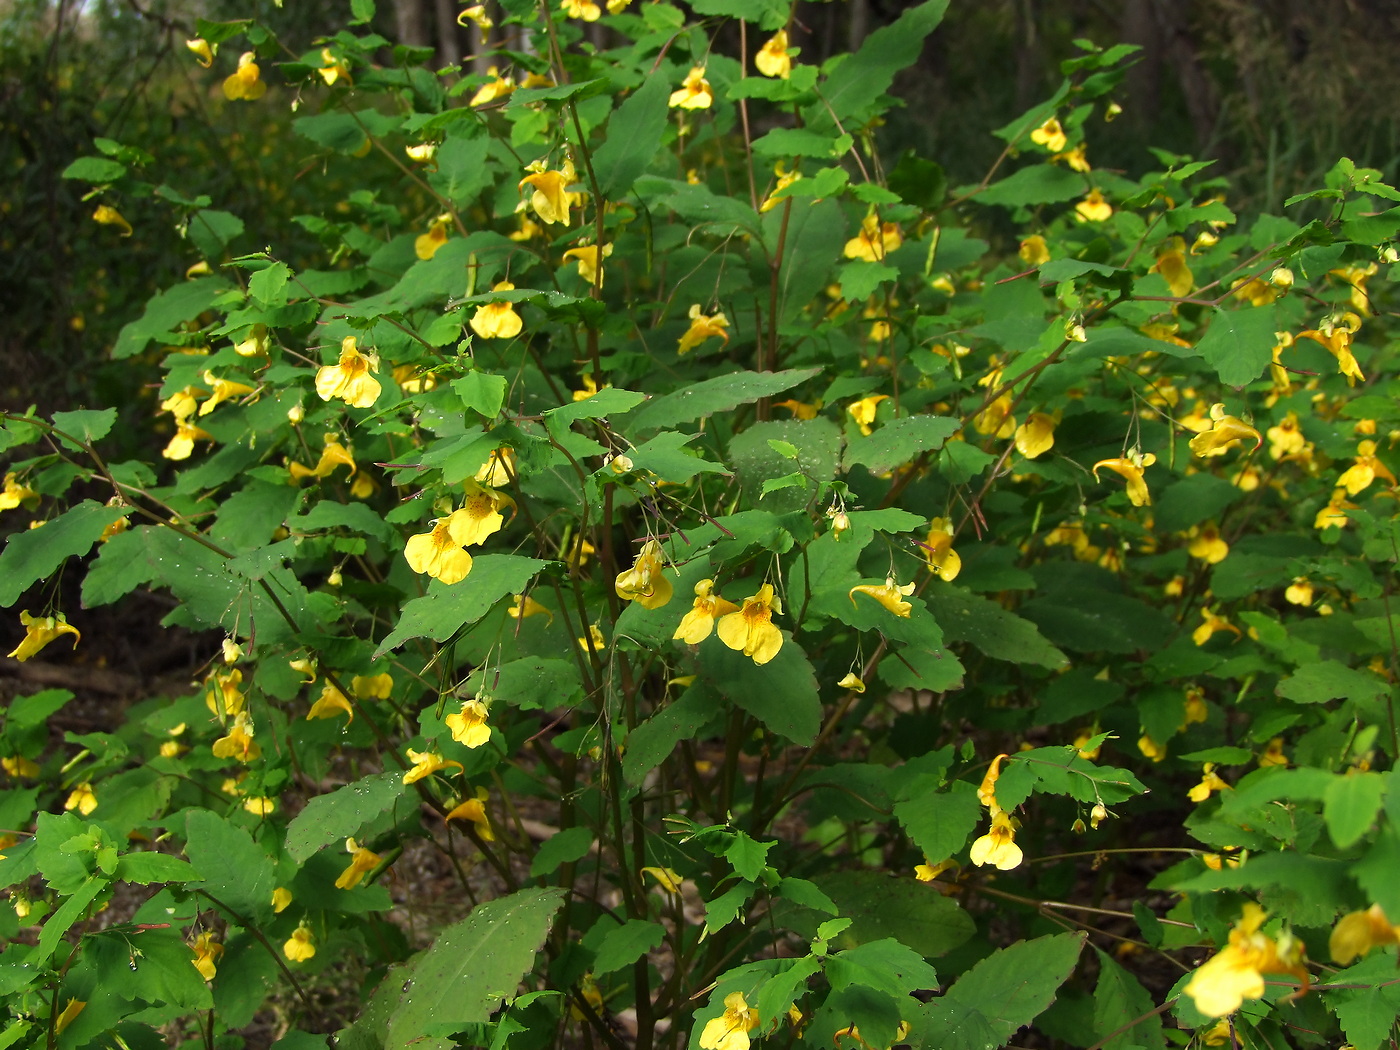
(792, 601)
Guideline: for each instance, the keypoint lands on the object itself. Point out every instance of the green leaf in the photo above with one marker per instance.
(1034, 184)
(795, 142)
(633, 133)
(720, 394)
(36, 554)
(606, 402)
(966, 617)
(1350, 805)
(755, 461)
(1330, 680)
(881, 906)
(854, 85)
(563, 847)
(234, 868)
(472, 966)
(269, 285)
(860, 279)
(815, 235)
(1002, 994)
(363, 11)
(748, 856)
(940, 822)
(341, 813)
(1193, 500)
(88, 425)
(481, 391)
(1122, 1006)
(165, 313)
(444, 610)
(782, 694)
(1240, 343)
(652, 742)
(1366, 1013)
(94, 170)
(666, 457)
(768, 14)
(63, 918)
(623, 945)
(26, 712)
(899, 441)
(146, 868)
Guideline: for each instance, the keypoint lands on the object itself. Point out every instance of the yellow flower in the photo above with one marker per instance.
(206, 954)
(889, 594)
(668, 879)
(333, 455)
(439, 553)
(551, 198)
(15, 493)
(1033, 250)
(477, 15)
(772, 59)
(362, 862)
(69, 1014)
(526, 606)
(587, 257)
(927, 872)
(694, 92)
(987, 789)
(350, 378)
(1196, 709)
(498, 469)
(497, 320)
(260, 806)
(1236, 973)
(1358, 477)
(1253, 291)
(593, 642)
(182, 444)
(498, 87)
(1335, 512)
(39, 631)
(1050, 135)
(1075, 158)
(785, 179)
(425, 763)
(645, 582)
(1151, 749)
(875, 241)
(1210, 782)
(750, 630)
(223, 390)
(854, 682)
(203, 53)
(702, 328)
(697, 624)
(996, 418)
(998, 846)
(1360, 931)
(1093, 208)
(332, 68)
(301, 945)
(474, 809)
(426, 245)
(1207, 544)
(1356, 277)
(82, 799)
(244, 83)
(372, 687)
(584, 9)
(19, 766)
(224, 697)
(938, 550)
(331, 703)
(482, 513)
(469, 726)
(239, 743)
(1299, 592)
(281, 898)
(1171, 264)
(730, 1030)
(421, 153)
(1285, 438)
(1204, 240)
(1036, 435)
(1212, 623)
(529, 229)
(863, 411)
(109, 216)
(1225, 432)
(1334, 334)
(1130, 468)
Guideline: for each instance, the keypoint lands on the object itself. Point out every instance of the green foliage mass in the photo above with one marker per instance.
(780, 607)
